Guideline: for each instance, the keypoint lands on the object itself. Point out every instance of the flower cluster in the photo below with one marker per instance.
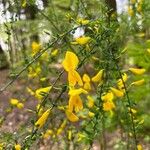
(75, 105)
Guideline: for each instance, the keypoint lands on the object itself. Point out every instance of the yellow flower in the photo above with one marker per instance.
(34, 72)
(20, 105)
(69, 135)
(133, 110)
(70, 62)
(137, 71)
(14, 101)
(39, 109)
(41, 121)
(39, 93)
(98, 77)
(30, 91)
(75, 103)
(139, 147)
(108, 106)
(148, 50)
(107, 96)
(91, 114)
(130, 11)
(74, 77)
(83, 21)
(43, 79)
(95, 58)
(139, 82)
(17, 147)
(47, 133)
(81, 136)
(124, 77)
(71, 116)
(24, 3)
(63, 124)
(90, 102)
(86, 78)
(35, 48)
(44, 56)
(133, 1)
(61, 128)
(140, 35)
(79, 91)
(139, 8)
(59, 131)
(82, 40)
(54, 52)
(61, 107)
(87, 86)
(117, 92)
(141, 1)
(121, 81)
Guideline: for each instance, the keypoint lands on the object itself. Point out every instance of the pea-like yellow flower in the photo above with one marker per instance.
(81, 136)
(139, 147)
(40, 93)
(133, 110)
(34, 72)
(75, 103)
(44, 56)
(98, 77)
(74, 77)
(139, 8)
(30, 91)
(43, 79)
(130, 11)
(83, 40)
(48, 133)
(137, 71)
(121, 81)
(61, 128)
(54, 52)
(139, 82)
(39, 109)
(63, 124)
(148, 50)
(140, 35)
(79, 91)
(83, 21)
(133, 1)
(20, 105)
(59, 131)
(95, 58)
(87, 86)
(14, 101)
(71, 116)
(91, 114)
(117, 92)
(86, 79)
(70, 64)
(108, 106)
(90, 102)
(109, 96)
(24, 3)
(42, 120)
(17, 147)
(35, 48)
(69, 135)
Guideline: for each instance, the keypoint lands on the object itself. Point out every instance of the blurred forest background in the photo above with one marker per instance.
(34, 37)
